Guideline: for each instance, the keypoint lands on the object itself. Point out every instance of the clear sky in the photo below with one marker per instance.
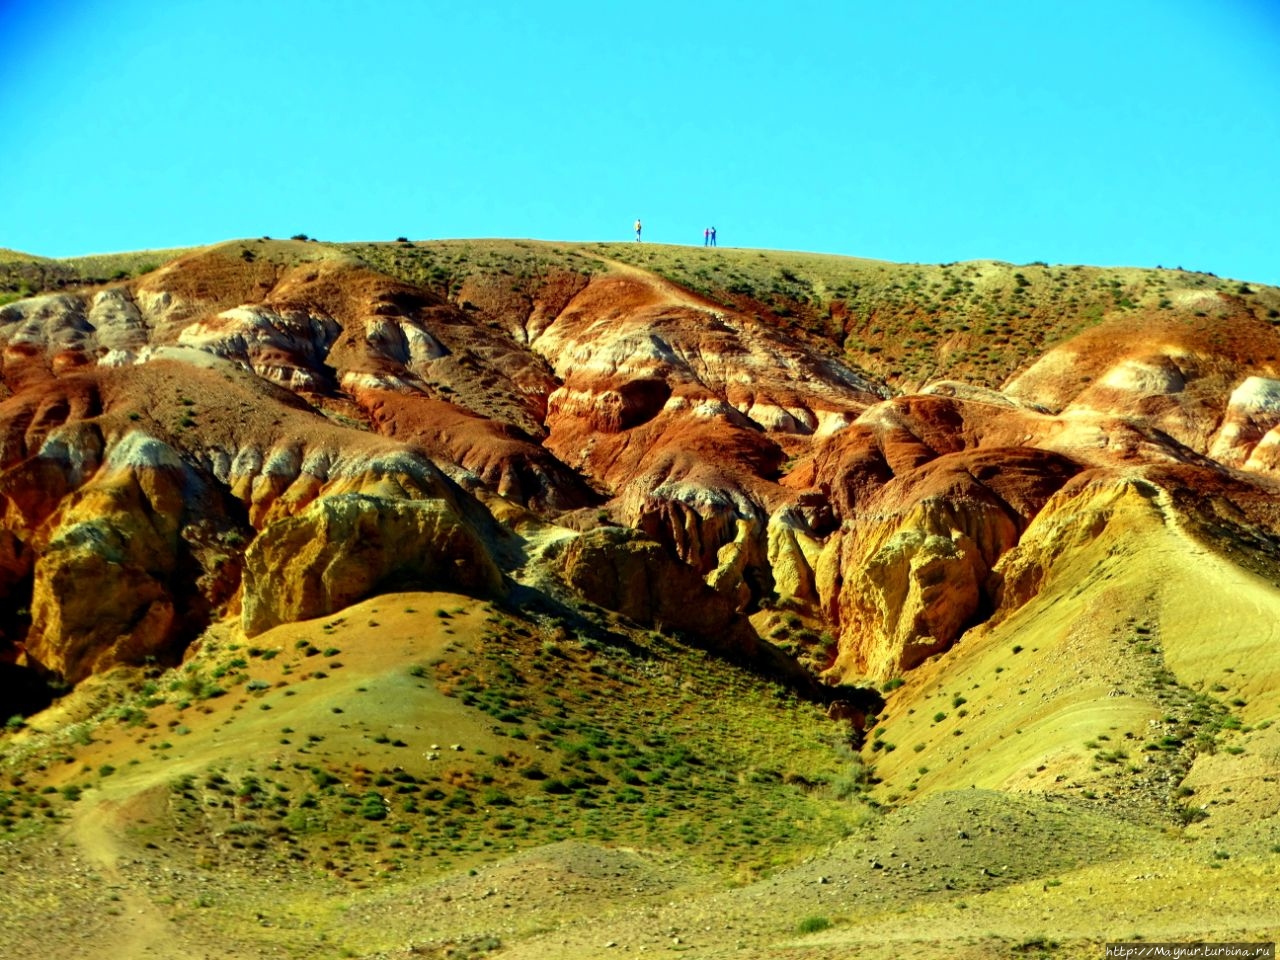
(1111, 132)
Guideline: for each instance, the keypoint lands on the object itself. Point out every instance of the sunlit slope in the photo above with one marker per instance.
(1141, 649)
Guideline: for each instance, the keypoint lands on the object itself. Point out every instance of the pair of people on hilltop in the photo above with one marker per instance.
(708, 235)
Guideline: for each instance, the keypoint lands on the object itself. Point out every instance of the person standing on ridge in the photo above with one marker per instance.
(713, 236)
(706, 237)
(637, 229)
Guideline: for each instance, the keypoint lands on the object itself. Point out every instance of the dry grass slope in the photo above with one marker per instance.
(404, 745)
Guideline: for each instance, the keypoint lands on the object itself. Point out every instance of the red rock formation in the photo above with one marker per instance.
(346, 426)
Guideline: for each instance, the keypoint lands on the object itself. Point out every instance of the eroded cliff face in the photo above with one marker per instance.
(346, 547)
(910, 571)
(683, 410)
(123, 566)
(620, 570)
(274, 430)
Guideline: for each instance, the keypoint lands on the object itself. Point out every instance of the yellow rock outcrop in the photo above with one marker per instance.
(101, 591)
(347, 547)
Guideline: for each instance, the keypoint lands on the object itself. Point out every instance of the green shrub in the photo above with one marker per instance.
(373, 808)
(813, 924)
(1190, 815)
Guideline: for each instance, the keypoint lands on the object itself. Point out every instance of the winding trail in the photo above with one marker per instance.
(139, 929)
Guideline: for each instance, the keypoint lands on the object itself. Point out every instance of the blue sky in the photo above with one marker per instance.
(1121, 132)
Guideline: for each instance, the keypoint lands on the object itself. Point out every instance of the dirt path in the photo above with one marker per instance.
(677, 294)
(139, 929)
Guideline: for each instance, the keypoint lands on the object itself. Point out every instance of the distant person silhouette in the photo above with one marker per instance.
(706, 237)
(637, 229)
(713, 236)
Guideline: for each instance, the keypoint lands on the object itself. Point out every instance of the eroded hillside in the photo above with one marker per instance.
(156, 428)
(1019, 523)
